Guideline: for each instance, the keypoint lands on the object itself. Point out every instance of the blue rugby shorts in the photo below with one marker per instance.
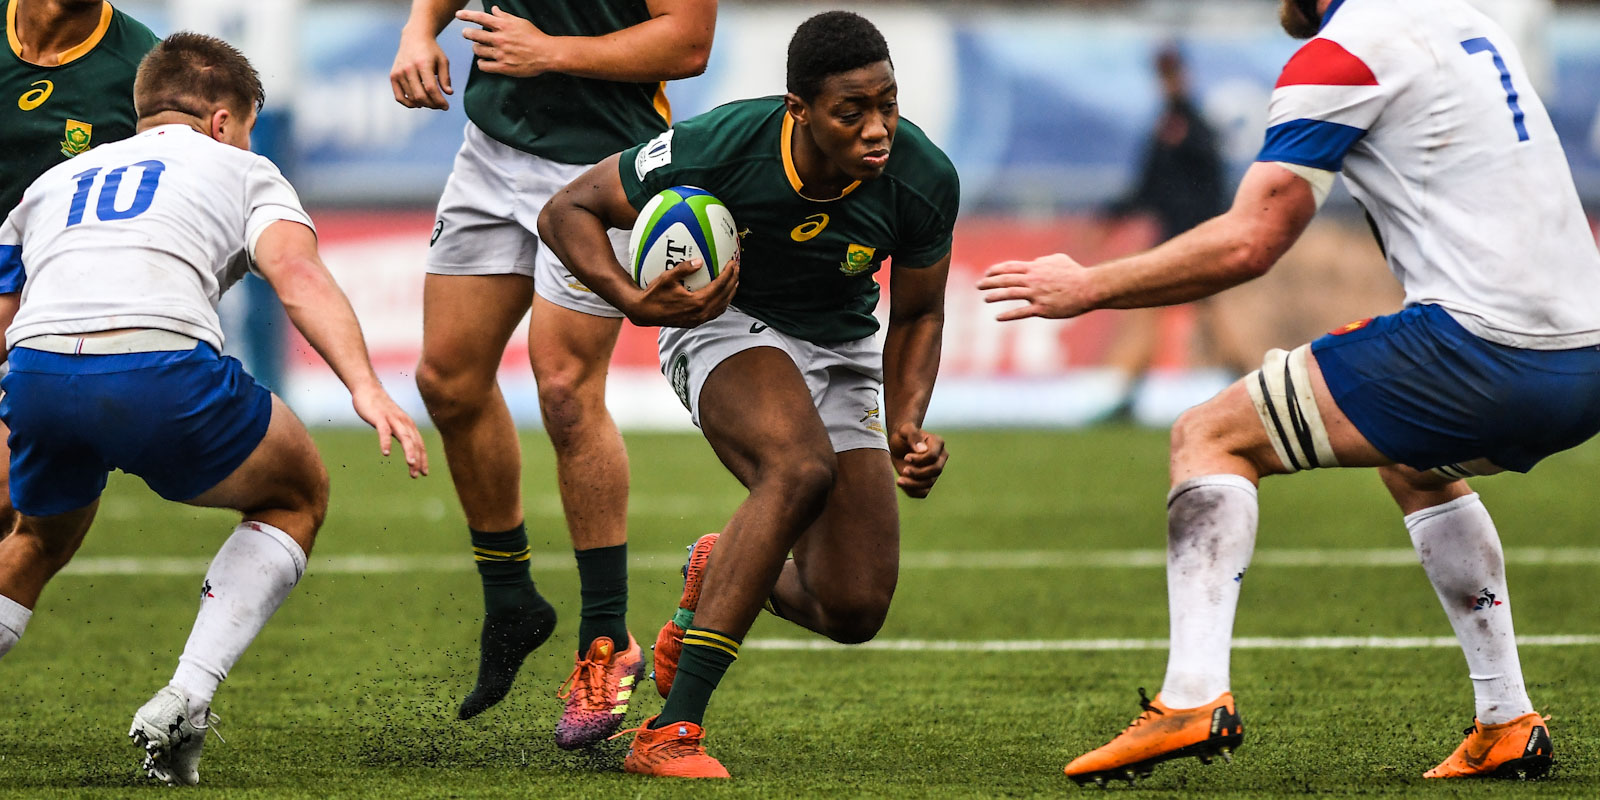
(1427, 393)
(181, 420)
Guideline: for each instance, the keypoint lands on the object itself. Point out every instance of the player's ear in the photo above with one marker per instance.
(797, 108)
(222, 123)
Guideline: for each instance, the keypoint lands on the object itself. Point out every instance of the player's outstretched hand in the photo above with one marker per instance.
(1055, 287)
(379, 410)
(420, 76)
(918, 458)
(668, 303)
(507, 44)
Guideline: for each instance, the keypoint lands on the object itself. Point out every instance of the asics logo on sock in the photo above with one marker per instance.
(1485, 599)
(205, 590)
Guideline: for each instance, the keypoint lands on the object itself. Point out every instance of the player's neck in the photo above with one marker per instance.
(46, 29)
(819, 177)
(171, 118)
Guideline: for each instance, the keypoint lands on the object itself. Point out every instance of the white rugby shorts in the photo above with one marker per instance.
(488, 221)
(845, 379)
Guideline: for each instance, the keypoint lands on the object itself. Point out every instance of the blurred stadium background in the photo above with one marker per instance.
(1045, 108)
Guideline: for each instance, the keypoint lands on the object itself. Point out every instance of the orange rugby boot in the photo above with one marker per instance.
(597, 693)
(669, 642)
(673, 751)
(1520, 748)
(1162, 734)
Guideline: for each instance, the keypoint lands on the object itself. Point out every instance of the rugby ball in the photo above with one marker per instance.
(677, 226)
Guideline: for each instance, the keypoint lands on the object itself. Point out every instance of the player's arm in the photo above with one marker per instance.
(574, 224)
(674, 43)
(420, 76)
(9, 303)
(286, 255)
(911, 348)
(1270, 211)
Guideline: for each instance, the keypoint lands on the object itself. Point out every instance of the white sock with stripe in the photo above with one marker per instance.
(249, 578)
(13, 621)
(1460, 551)
(1211, 534)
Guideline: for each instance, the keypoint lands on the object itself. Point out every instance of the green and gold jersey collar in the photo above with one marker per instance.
(786, 145)
(69, 55)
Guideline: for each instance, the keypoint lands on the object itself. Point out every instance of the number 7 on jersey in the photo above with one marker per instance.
(1483, 45)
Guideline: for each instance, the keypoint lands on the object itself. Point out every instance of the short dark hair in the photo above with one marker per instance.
(828, 44)
(192, 73)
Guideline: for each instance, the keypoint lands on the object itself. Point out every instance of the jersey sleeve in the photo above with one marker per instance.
(930, 228)
(12, 275)
(690, 153)
(268, 199)
(1325, 101)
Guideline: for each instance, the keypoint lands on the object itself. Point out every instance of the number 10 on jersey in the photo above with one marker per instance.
(106, 206)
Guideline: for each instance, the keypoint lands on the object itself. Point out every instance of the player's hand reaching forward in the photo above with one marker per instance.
(1055, 287)
(374, 405)
(918, 458)
(508, 44)
(670, 304)
(420, 76)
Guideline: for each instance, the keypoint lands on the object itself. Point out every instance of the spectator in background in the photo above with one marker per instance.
(1180, 186)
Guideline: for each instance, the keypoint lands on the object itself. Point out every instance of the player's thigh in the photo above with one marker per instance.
(567, 348)
(853, 551)
(283, 472)
(759, 416)
(1281, 418)
(467, 321)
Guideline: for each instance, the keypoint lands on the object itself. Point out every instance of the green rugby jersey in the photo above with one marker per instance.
(50, 114)
(806, 266)
(560, 117)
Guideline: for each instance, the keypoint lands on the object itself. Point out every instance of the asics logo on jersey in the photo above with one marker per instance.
(34, 98)
(808, 230)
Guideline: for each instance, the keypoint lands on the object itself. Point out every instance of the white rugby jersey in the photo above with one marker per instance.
(147, 232)
(1425, 107)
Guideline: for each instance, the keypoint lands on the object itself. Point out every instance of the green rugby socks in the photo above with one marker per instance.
(603, 578)
(516, 619)
(707, 654)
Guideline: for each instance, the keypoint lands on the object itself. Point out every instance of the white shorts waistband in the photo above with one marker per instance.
(142, 341)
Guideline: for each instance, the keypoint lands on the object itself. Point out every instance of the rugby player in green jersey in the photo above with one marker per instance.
(66, 85)
(556, 86)
(826, 183)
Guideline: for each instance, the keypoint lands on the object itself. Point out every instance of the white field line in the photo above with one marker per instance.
(1063, 645)
(919, 560)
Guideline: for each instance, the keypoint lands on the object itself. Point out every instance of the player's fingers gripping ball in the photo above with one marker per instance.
(677, 226)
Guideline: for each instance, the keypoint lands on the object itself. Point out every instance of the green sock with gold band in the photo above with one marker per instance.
(707, 654)
(516, 618)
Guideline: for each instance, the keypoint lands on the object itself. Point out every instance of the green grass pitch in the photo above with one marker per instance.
(351, 690)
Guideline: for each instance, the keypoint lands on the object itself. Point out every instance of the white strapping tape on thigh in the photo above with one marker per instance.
(1281, 391)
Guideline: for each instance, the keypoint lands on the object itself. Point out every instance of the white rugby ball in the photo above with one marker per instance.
(677, 226)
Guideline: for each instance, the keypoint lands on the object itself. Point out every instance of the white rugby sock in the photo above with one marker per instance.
(1460, 551)
(246, 582)
(13, 621)
(1211, 534)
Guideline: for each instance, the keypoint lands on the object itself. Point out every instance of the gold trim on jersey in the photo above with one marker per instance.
(68, 55)
(786, 145)
(662, 104)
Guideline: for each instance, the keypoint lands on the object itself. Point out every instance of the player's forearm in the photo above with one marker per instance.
(663, 48)
(319, 309)
(429, 17)
(579, 239)
(1216, 255)
(911, 350)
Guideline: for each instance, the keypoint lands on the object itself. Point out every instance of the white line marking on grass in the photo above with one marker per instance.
(916, 560)
(1064, 645)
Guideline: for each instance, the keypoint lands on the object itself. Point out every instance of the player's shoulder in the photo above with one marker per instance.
(129, 37)
(739, 116)
(1383, 36)
(918, 163)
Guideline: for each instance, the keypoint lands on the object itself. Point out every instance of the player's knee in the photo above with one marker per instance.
(1197, 431)
(805, 478)
(566, 402)
(857, 619)
(447, 394)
